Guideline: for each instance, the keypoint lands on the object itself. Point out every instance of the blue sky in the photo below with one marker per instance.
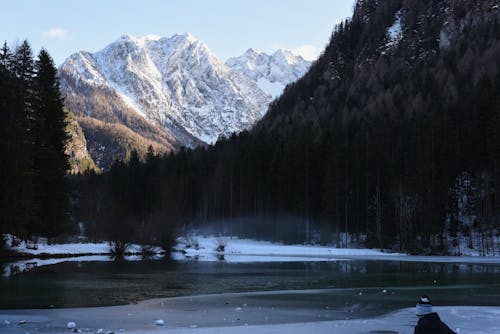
(228, 27)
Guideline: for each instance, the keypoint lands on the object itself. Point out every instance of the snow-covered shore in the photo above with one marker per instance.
(43, 249)
(229, 249)
(248, 250)
(202, 249)
(230, 313)
(199, 248)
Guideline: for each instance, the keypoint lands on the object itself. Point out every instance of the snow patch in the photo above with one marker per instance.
(394, 32)
(159, 322)
(42, 247)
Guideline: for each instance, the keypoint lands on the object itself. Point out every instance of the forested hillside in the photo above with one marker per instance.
(393, 134)
(405, 102)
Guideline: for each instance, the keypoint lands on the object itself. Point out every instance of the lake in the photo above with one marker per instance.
(358, 287)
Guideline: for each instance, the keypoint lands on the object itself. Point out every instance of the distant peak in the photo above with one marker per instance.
(127, 39)
(124, 37)
(288, 56)
(186, 36)
(252, 51)
(79, 55)
(282, 52)
(149, 37)
(152, 37)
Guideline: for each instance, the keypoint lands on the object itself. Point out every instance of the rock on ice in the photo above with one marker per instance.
(71, 325)
(159, 322)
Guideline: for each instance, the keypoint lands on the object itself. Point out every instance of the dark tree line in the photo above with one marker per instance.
(33, 165)
(400, 143)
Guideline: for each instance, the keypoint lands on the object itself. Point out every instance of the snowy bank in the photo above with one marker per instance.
(43, 249)
(228, 249)
(232, 249)
(30, 255)
(248, 250)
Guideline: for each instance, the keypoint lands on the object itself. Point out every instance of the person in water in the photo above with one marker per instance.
(429, 322)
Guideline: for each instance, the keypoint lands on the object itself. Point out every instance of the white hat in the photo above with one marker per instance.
(424, 306)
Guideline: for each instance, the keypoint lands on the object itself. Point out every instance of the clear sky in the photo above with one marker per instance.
(228, 27)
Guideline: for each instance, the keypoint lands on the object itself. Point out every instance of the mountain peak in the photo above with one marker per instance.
(176, 83)
(271, 72)
(282, 52)
(288, 56)
(142, 40)
(252, 51)
(186, 36)
(129, 37)
(139, 41)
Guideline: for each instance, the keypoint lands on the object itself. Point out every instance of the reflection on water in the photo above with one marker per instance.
(350, 284)
(23, 266)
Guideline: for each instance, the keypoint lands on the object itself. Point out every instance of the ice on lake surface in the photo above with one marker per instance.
(360, 293)
(214, 317)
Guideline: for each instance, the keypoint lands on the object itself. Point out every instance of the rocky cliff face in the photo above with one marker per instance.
(76, 149)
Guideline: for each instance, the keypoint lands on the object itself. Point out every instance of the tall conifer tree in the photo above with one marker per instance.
(20, 139)
(5, 56)
(50, 160)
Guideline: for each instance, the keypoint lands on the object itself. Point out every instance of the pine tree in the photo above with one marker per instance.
(50, 160)
(19, 144)
(5, 57)
(22, 63)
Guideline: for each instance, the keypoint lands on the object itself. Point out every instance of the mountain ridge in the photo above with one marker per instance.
(169, 87)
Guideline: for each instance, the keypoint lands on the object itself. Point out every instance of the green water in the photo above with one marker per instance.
(377, 285)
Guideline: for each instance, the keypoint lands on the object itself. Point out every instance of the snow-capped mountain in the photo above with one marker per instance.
(176, 83)
(168, 93)
(271, 72)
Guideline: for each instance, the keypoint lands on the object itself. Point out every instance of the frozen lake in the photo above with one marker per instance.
(333, 290)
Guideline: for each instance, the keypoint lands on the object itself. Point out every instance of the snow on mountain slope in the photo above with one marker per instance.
(394, 32)
(271, 72)
(175, 83)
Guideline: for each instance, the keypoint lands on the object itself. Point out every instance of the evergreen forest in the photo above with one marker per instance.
(392, 140)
